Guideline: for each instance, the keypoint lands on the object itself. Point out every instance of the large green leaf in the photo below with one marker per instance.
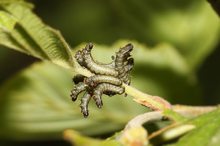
(23, 31)
(36, 104)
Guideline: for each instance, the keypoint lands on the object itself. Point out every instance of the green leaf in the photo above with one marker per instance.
(36, 104)
(30, 35)
(9, 1)
(7, 22)
(206, 132)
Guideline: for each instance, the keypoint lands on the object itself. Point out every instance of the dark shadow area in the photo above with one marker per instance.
(35, 143)
(13, 62)
(175, 85)
(107, 21)
(209, 77)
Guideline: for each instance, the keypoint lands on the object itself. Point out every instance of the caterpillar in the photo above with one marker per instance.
(93, 81)
(123, 63)
(81, 59)
(103, 88)
(85, 59)
(127, 68)
(84, 104)
(80, 87)
(122, 56)
(95, 67)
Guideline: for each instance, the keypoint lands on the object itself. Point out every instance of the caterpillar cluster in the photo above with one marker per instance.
(107, 78)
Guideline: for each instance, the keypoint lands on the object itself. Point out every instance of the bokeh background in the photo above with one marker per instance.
(191, 27)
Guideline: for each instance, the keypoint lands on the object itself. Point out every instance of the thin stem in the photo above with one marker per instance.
(153, 102)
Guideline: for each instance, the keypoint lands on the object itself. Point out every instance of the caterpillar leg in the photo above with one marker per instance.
(80, 87)
(84, 104)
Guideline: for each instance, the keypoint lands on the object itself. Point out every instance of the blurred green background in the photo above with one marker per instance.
(190, 30)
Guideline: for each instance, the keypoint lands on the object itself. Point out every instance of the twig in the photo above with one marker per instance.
(152, 102)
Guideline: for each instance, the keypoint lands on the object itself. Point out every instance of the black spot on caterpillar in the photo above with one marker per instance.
(84, 104)
(80, 87)
(93, 81)
(105, 88)
(95, 67)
